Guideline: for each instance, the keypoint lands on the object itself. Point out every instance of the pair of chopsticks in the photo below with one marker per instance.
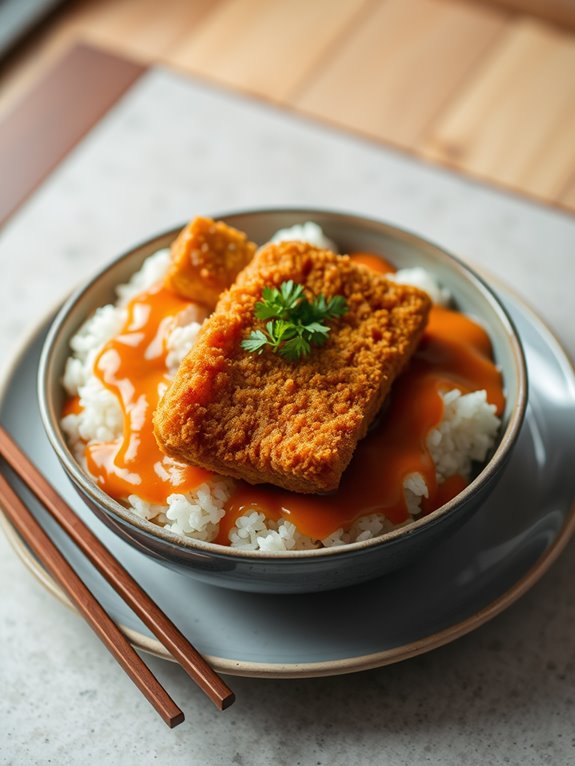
(122, 582)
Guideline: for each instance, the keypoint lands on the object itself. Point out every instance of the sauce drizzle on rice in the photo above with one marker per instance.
(133, 367)
(455, 352)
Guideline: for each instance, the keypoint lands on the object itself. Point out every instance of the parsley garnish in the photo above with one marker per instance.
(293, 324)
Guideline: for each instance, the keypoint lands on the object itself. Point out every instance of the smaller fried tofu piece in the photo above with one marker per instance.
(265, 419)
(207, 256)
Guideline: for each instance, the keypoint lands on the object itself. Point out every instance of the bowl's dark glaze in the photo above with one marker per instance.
(295, 571)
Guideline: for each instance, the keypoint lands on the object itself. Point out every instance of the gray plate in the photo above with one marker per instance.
(469, 578)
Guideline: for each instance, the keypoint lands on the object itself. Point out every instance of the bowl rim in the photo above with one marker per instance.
(117, 511)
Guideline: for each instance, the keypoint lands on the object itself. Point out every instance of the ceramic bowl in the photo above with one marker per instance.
(295, 571)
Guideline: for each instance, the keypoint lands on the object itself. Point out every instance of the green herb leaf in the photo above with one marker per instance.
(256, 342)
(293, 324)
(294, 349)
(336, 307)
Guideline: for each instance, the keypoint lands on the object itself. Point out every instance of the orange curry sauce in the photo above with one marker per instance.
(133, 367)
(455, 352)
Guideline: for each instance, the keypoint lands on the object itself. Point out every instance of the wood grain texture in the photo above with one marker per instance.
(391, 76)
(115, 574)
(567, 195)
(515, 120)
(146, 30)
(102, 625)
(266, 47)
(561, 12)
(34, 138)
(463, 83)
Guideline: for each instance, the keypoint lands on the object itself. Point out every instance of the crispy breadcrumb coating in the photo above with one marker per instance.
(206, 258)
(293, 424)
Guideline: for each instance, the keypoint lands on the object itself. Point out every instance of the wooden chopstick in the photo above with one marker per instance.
(124, 584)
(106, 630)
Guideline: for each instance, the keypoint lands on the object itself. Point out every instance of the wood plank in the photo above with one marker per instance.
(567, 194)
(515, 121)
(460, 83)
(266, 47)
(560, 12)
(396, 70)
(143, 29)
(27, 62)
(34, 138)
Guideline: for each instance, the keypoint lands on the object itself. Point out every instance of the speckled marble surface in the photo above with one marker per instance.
(173, 148)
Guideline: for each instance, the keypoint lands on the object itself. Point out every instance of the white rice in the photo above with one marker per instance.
(306, 232)
(254, 532)
(179, 343)
(418, 277)
(465, 434)
(153, 270)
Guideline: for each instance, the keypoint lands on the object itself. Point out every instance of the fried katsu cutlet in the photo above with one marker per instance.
(207, 256)
(265, 419)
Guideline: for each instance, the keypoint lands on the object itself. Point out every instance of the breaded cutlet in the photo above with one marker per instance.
(207, 256)
(293, 424)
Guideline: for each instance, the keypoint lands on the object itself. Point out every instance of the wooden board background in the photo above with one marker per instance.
(483, 87)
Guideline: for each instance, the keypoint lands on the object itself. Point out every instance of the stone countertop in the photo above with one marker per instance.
(171, 149)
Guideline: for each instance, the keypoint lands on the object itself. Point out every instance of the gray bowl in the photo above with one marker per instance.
(294, 571)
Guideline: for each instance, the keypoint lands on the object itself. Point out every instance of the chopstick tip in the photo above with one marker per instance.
(176, 720)
(227, 701)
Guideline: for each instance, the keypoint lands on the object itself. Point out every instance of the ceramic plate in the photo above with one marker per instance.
(469, 578)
